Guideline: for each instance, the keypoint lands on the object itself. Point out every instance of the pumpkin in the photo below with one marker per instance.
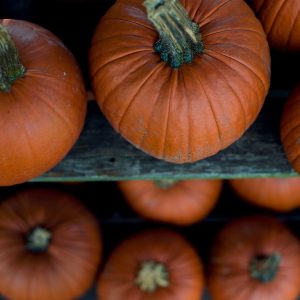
(290, 129)
(180, 82)
(153, 264)
(50, 246)
(253, 258)
(280, 19)
(42, 101)
(280, 194)
(178, 202)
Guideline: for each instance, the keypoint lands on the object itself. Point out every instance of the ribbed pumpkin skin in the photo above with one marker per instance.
(68, 267)
(186, 114)
(290, 129)
(43, 114)
(117, 280)
(187, 202)
(280, 194)
(235, 247)
(281, 21)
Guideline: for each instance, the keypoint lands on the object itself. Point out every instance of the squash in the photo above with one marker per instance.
(180, 82)
(178, 202)
(50, 246)
(290, 129)
(42, 101)
(154, 264)
(280, 194)
(253, 258)
(280, 19)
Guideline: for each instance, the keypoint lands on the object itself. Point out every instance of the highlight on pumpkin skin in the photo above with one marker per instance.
(280, 19)
(278, 194)
(50, 246)
(290, 129)
(43, 101)
(152, 264)
(174, 79)
(179, 202)
(255, 257)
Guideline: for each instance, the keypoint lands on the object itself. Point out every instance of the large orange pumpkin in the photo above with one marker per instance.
(42, 101)
(179, 202)
(152, 265)
(280, 19)
(290, 129)
(195, 93)
(280, 194)
(50, 246)
(255, 258)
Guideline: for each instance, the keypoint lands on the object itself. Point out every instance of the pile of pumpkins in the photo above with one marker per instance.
(179, 81)
(51, 246)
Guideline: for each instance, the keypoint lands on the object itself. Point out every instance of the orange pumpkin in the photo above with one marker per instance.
(178, 202)
(50, 246)
(255, 258)
(189, 94)
(42, 101)
(280, 19)
(290, 129)
(280, 194)
(154, 264)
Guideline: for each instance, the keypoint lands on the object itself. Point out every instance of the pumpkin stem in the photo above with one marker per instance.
(179, 37)
(10, 66)
(264, 268)
(151, 276)
(38, 239)
(165, 183)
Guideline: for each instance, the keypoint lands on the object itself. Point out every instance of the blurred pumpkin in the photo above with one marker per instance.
(254, 258)
(42, 101)
(179, 202)
(50, 246)
(180, 82)
(280, 194)
(154, 264)
(290, 129)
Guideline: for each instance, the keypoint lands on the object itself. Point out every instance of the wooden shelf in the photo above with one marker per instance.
(102, 154)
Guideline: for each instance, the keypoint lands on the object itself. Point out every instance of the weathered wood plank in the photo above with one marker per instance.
(102, 154)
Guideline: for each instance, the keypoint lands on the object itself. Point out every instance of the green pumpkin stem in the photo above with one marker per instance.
(151, 276)
(10, 66)
(38, 239)
(165, 183)
(179, 37)
(264, 268)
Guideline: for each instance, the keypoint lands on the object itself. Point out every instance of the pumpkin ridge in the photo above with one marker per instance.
(210, 13)
(213, 114)
(144, 135)
(117, 59)
(229, 30)
(131, 22)
(296, 127)
(238, 97)
(211, 53)
(244, 65)
(292, 29)
(40, 96)
(145, 79)
(171, 93)
(276, 16)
